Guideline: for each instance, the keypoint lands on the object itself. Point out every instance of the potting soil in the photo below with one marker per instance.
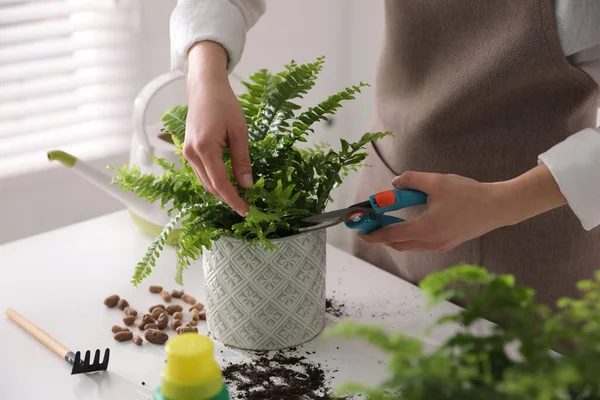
(280, 377)
(334, 308)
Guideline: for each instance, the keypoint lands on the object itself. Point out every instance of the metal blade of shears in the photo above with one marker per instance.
(331, 218)
(322, 225)
(338, 215)
(324, 220)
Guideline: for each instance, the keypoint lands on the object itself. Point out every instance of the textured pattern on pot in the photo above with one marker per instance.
(261, 299)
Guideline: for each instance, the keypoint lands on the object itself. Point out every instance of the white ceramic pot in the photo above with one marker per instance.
(260, 299)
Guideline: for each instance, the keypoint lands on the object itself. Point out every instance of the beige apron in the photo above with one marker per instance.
(480, 89)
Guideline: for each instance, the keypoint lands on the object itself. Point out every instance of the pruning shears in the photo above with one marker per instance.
(369, 215)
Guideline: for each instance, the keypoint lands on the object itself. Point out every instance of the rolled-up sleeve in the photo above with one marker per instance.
(223, 21)
(575, 165)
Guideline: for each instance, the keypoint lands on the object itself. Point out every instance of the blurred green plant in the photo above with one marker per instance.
(479, 366)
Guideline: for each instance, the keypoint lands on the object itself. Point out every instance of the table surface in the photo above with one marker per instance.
(59, 279)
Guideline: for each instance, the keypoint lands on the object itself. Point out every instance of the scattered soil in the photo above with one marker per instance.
(280, 377)
(335, 308)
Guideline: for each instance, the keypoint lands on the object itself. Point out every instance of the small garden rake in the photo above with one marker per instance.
(79, 367)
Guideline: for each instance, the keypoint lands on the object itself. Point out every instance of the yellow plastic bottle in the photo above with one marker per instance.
(191, 372)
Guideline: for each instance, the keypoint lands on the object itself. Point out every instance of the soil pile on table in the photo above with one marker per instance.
(278, 377)
(335, 308)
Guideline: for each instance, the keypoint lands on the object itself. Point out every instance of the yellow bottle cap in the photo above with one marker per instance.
(191, 371)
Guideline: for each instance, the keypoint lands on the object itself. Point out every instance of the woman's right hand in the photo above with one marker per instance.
(215, 120)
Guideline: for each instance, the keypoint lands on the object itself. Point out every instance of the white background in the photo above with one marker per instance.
(347, 32)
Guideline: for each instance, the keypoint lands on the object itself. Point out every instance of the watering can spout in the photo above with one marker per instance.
(98, 178)
(64, 158)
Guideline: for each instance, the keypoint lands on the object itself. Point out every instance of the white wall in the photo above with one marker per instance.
(345, 31)
(362, 32)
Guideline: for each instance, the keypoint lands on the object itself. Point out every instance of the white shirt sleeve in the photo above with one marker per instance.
(223, 21)
(575, 164)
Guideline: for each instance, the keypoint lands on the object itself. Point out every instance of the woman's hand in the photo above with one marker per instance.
(460, 209)
(215, 121)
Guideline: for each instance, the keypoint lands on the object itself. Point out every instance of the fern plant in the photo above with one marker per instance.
(481, 366)
(290, 182)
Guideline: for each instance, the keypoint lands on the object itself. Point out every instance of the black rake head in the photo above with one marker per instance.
(84, 367)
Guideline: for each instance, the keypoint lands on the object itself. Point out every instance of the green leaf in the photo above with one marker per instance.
(174, 123)
(144, 267)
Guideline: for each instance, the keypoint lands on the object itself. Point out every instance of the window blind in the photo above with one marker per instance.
(67, 76)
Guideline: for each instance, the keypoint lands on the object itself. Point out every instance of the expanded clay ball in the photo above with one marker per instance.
(176, 323)
(155, 336)
(197, 306)
(186, 329)
(146, 319)
(130, 311)
(173, 308)
(117, 328)
(162, 321)
(155, 289)
(123, 336)
(177, 293)
(157, 312)
(188, 299)
(154, 307)
(111, 301)
(129, 320)
(166, 296)
(123, 304)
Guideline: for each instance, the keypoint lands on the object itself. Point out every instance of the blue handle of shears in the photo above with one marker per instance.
(383, 202)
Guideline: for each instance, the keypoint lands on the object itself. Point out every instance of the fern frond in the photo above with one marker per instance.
(320, 112)
(174, 122)
(193, 243)
(148, 187)
(252, 102)
(143, 268)
(166, 187)
(193, 239)
(179, 270)
(184, 176)
(296, 81)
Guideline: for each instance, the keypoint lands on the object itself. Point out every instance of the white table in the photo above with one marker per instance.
(59, 280)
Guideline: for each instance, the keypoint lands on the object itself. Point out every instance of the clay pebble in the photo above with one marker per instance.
(155, 289)
(111, 301)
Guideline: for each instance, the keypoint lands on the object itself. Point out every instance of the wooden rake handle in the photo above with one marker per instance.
(37, 333)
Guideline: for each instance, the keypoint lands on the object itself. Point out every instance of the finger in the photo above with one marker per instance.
(424, 181)
(215, 169)
(240, 157)
(399, 232)
(409, 245)
(204, 179)
(196, 164)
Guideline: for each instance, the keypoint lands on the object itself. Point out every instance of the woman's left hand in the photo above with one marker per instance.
(460, 209)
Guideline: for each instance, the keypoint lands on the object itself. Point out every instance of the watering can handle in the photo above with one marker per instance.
(140, 107)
